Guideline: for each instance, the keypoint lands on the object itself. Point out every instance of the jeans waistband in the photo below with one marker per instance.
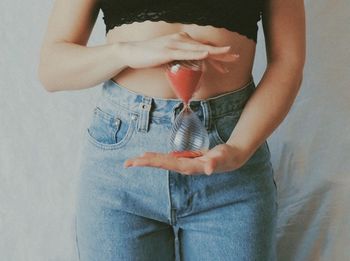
(155, 107)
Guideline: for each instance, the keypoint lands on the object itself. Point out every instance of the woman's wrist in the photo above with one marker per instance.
(119, 54)
(243, 153)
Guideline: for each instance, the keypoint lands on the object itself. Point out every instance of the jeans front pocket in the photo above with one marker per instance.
(111, 129)
(223, 127)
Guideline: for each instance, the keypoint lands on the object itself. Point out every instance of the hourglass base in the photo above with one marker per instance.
(186, 154)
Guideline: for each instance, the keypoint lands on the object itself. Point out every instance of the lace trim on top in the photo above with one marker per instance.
(240, 20)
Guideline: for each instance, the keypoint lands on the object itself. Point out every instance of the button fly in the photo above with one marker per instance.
(117, 122)
(145, 106)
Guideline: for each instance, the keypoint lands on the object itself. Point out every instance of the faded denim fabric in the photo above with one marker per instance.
(144, 213)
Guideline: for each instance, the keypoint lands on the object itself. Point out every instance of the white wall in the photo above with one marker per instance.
(41, 134)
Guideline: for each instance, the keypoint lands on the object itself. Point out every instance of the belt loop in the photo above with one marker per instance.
(175, 107)
(144, 108)
(206, 114)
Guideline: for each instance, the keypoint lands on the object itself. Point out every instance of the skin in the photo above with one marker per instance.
(152, 81)
(134, 53)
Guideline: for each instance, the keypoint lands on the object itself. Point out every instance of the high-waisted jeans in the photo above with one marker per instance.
(146, 213)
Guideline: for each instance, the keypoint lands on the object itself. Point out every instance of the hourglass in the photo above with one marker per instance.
(188, 137)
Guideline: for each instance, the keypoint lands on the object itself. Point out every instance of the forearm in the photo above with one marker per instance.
(69, 66)
(267, 107)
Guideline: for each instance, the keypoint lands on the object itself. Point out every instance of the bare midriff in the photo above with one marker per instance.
(152, 81)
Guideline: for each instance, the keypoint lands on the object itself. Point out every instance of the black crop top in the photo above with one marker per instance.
(240, 16)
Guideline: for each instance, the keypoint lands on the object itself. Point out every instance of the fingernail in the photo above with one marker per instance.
(127, 164)
(225, 47)
(233, 55)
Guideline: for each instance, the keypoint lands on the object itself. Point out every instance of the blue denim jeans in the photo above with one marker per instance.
(145, 213)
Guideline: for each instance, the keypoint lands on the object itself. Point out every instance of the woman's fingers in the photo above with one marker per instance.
(184, 165)
(184, 41)
(195, 46)
(216, 62)
(224, 57)
(188, 55)
(218, 66)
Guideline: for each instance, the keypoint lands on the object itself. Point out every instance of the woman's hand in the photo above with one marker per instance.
(177, 46)
(220, 158)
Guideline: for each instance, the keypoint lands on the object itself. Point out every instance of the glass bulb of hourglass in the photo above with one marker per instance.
(188, 132)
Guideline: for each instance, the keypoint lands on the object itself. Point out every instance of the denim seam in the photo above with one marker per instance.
(114, 146)
(76, 237)
(214, 116)
(144, 111)
(171, 217)
(110, 101)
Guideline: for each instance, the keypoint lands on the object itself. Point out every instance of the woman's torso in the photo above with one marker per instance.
(153, 81)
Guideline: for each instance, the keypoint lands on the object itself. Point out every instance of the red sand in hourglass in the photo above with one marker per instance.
(185, 82)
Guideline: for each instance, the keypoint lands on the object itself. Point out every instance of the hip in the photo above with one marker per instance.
(134, 122)
(125, 124)
(153, 82)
